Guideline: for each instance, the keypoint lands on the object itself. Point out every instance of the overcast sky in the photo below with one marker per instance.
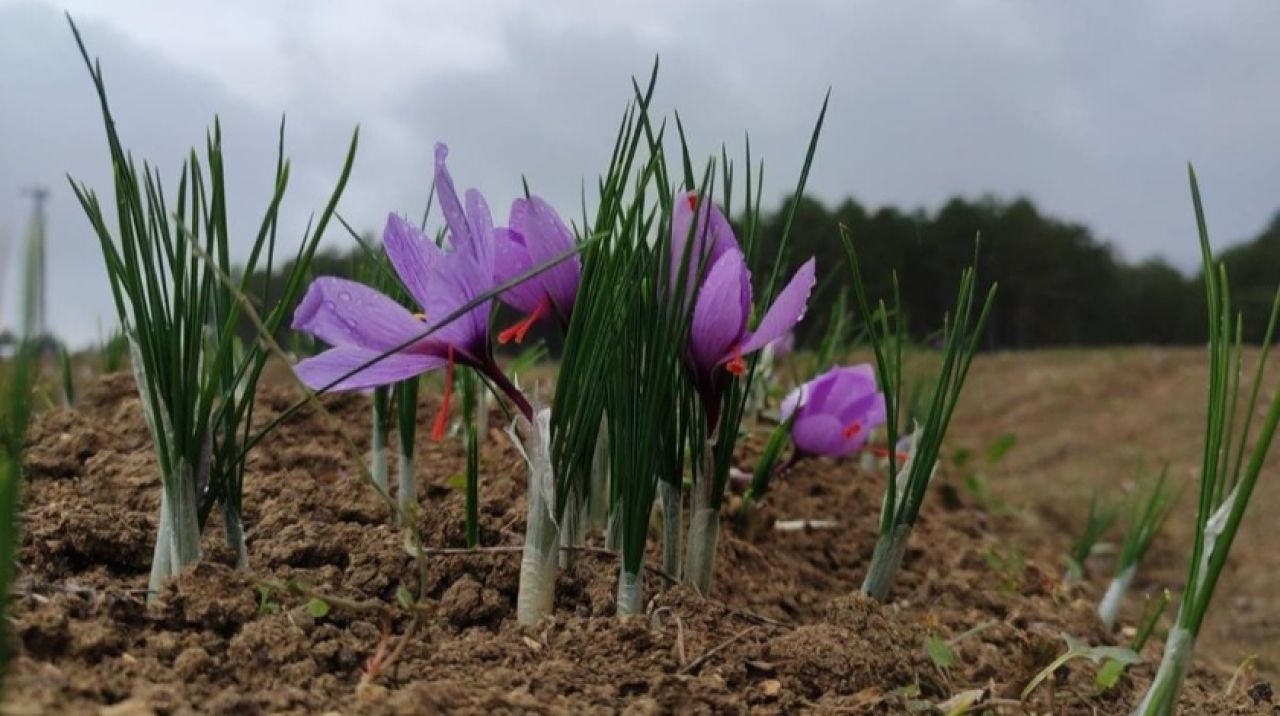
(1090, 108)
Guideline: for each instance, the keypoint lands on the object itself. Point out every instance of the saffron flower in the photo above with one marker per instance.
(365, 326)
(535, 235)
(718, 338)
(835, 412)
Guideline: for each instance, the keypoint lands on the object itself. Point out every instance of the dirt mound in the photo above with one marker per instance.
(785, 631)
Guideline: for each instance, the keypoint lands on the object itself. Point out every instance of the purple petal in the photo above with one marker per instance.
(787, 309)
(454, 217)
(470, 231)
(720, 315)
(345, 313)
(712, 238)
(468, 268)
(875, 415)
(318, 372)
(480, 223)
(866, 409)
(845, 385)
(455, 285)
(511, 259)
(413, 255)
(548, 240)
(821, 435)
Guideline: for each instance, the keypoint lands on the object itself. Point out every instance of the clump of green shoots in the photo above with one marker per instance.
(1101, 516)
(712, 441)
(909, 478)
(565, 439)
(164, 259)
(1148, 508)
(616, 366)
(1229, 471)
(974, 471)
(114, 352)
(16, 381)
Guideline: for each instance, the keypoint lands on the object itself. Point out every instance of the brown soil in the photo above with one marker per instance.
(784, 632)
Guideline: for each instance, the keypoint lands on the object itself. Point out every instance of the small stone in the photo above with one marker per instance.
(1261, 692)
(192, 662)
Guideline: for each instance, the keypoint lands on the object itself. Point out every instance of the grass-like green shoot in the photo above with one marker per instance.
(712, 455)
(114, 352)
(1229, 471)
(16, 381)
(1146, 512)
(886, 331)
(1098, 521)
(197, 390)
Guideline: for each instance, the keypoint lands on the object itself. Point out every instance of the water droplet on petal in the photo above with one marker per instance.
(345, 295)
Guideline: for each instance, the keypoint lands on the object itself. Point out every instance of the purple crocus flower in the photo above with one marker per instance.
(718, 336)
(835, 412)
(362, 324)
(535, 235)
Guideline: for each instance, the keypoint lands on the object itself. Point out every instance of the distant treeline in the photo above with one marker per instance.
(1059, 284)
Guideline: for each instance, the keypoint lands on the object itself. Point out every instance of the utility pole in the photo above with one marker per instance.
(34, 308)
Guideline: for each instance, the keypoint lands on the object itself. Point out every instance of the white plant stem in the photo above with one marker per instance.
(613, 531)
(160, 566)
(1161, 698)
(704, 526)
(178, 533)
(407, 484)
(572, 529)
(536, 596)
(885, 562)
(630, 593)
(669, 494)
(1109, 607)
(598, 502)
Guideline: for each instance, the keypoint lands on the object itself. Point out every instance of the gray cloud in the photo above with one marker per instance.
(1091, 109)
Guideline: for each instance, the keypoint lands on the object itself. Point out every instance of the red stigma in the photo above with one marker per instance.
(518, 331)
(880, 451)
(442, 417)
(736, 365)
(852, 429)
(692, 198)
